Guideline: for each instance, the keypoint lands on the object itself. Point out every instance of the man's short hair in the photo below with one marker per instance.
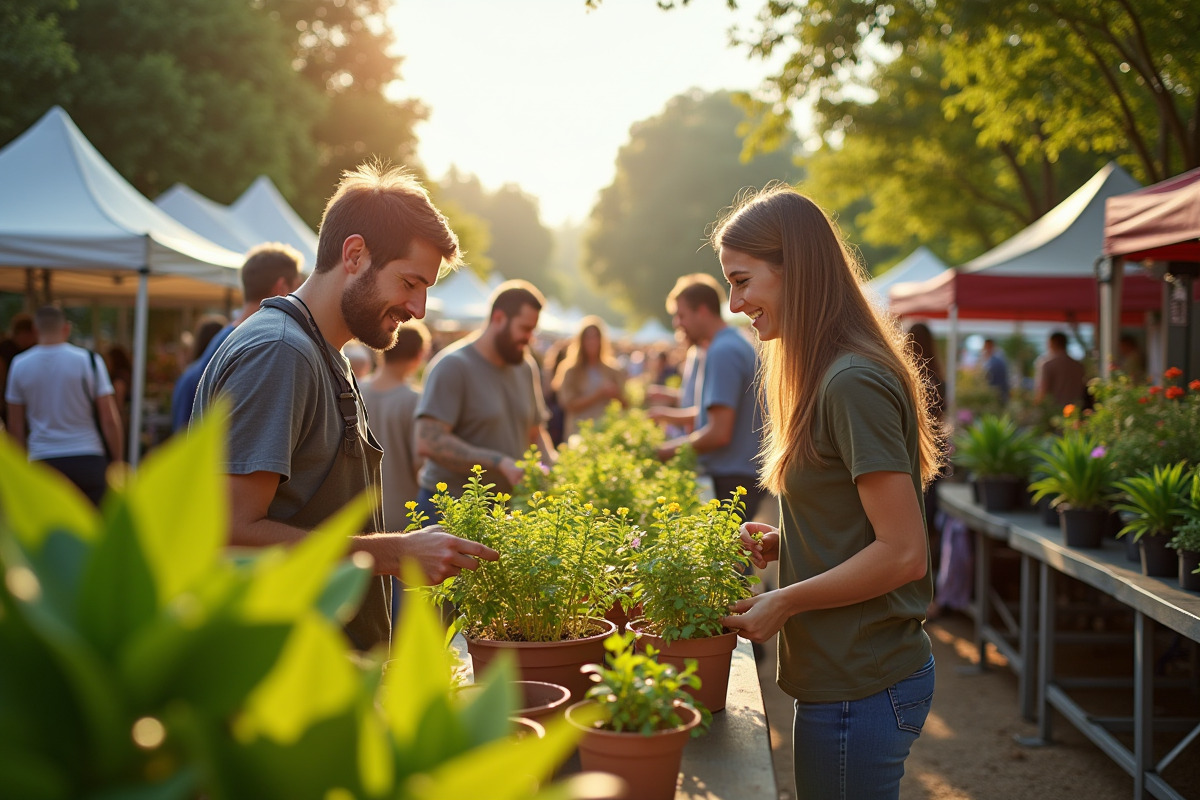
(511, 296)
(387, 207)
(1059, 340)
(411, 339)
(698, 290)
(265, 265)
(49, 319)
(989, 341)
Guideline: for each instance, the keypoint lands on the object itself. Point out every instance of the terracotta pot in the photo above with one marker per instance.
(1083, 527)
(1158, 560)
(536, 699)
(649, 764)
(1188, 561)
(551, 662)
(618, 616)
(713, 655)
(524, 727)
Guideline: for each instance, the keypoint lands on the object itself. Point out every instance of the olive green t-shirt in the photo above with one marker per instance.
(865, 423)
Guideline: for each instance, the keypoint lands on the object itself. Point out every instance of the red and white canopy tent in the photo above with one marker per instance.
(1158, 225)
(1047, 272)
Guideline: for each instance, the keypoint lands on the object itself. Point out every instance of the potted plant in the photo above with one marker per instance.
(1187, 538)
(691, 567)
(545, 598)
(637, 718)
(1155, 504)
(1077, 477)
(1000, 456)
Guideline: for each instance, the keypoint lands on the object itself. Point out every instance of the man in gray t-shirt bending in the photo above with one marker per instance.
(482, 403)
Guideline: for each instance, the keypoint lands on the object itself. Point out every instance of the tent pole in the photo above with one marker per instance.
(952, 366)
(138, 390)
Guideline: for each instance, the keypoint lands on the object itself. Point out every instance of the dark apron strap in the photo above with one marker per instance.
(347, 395)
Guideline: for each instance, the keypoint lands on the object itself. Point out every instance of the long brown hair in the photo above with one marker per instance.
(823, 314)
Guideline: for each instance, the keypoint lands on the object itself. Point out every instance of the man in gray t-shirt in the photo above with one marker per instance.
(299, 445)
(482, 403)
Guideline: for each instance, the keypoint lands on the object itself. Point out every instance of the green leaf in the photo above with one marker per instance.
(117, 592)
(485, 715)
(28, 774)
(180, 786)
(287, 583)
(312, 680)
(421, 668)
(36, 500)
(508, 769)
(224, 661)
(343, 593)
(179, 505)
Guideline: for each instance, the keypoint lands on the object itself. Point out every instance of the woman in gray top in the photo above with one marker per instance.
(850, 442)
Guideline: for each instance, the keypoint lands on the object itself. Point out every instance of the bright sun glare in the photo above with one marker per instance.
(542, 92)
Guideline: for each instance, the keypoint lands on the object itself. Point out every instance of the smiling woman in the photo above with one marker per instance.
(849, 446)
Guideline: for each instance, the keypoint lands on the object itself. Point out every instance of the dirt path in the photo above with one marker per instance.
(967, 751)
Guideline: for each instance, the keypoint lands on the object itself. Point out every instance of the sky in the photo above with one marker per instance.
(542, 93)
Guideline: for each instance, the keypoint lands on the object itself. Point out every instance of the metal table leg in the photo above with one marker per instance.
(1027, 677)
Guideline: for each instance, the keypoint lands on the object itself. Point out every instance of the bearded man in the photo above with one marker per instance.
(482, 403)
(299, 444)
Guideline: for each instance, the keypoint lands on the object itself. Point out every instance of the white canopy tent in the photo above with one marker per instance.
(460, 298)
(652, 332)
(920, 265)
(262, 210)
(208, 218)
(64, 210)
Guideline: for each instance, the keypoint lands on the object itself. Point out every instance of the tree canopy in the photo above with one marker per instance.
(1009, 106)
(519, 244)
(213, 94)
(677, 171)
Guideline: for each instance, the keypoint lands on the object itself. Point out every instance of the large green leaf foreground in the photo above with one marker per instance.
(141, 661)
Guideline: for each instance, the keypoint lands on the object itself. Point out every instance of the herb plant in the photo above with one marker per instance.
(554, 574)
(1076, 473)
(637, 694)
(691, 567)
(1187, 532)
(1156, 500)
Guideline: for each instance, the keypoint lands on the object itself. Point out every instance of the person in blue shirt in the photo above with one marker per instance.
(728, 422)
(270, 270)
(995, 370)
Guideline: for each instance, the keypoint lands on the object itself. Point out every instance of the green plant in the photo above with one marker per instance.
(691, 567)
(995, 447)
(1076, 472)
(142, 661)
(1154, 500)
(1187, 533)
(554, 573)
(637, 694)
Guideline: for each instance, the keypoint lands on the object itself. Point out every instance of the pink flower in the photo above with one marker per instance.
(1099, 452)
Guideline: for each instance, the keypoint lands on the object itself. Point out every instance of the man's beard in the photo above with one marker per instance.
(364, 311)
(509, 350)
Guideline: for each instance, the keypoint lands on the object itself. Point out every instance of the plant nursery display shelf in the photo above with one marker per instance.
(733, 760)
(1157, 606)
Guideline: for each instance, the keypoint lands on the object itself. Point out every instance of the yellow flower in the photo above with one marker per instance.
(588, 506)
(410, 505)
(661, 499)
(441, 486)
(741, 490)
(622, 511)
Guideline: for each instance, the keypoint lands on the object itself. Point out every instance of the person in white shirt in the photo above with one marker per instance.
(61, 406)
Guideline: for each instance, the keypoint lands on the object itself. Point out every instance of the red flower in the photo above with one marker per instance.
(1155, 389)
(1068, 410)
(1173, 372)
(1143, 400)
(1194, 386)
(1174, 392)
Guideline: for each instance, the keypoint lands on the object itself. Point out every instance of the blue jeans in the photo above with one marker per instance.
(855, 750)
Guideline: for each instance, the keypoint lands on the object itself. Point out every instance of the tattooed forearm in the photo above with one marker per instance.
(436, 442)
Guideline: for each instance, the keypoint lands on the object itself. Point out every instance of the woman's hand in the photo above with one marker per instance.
(761, 617)
(763, 548)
